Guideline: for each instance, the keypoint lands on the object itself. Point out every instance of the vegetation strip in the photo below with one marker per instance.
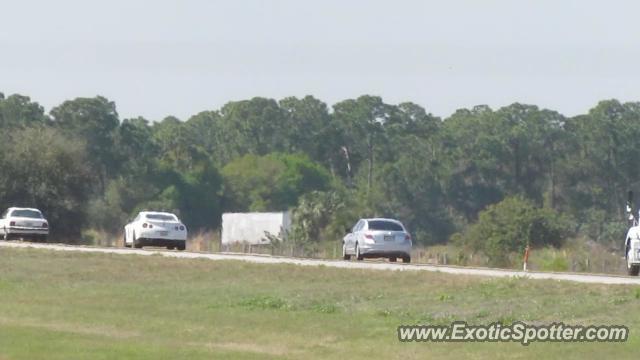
(264, 259)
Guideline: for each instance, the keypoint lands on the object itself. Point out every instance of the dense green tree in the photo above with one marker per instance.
(45, 169)
(136, 147)
(493, 154)
(474, 177)
(204, 134)
(601, 158)
(94, 121)
(177, 148)
(308, 128)
(200, 197)
(19, 111)
(271, 183)
(255, 126)
(361, 123)
(408, 189)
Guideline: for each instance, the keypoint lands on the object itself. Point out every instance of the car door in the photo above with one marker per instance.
(358, 234)
(353, 236)
(347, 240)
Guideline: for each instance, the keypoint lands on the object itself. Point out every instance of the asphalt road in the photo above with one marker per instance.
(265, 259)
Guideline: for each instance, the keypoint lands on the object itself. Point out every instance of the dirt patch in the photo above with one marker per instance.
(279, 350)
(70, 328)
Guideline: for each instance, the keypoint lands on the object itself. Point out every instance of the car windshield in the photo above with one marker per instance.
(384, 225)
(161, 217)
(27, 214)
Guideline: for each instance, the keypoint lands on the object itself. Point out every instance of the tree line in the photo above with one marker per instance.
(85, 167)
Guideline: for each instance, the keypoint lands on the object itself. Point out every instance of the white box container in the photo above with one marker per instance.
(251, 228)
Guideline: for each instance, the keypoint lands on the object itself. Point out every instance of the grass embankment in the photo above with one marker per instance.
(58, 305)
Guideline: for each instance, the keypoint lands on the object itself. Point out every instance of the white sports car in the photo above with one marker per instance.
(152, 228)
(23, 223)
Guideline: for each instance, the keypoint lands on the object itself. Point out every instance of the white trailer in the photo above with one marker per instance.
(252, 228)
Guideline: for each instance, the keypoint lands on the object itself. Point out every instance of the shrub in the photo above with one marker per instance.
(510, 225)
(555, 263)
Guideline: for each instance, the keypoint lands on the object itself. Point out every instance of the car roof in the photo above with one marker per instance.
(23, 208)
(383, 219)
(157, 213)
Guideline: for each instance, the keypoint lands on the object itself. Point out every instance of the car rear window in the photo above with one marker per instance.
(384, 225)
(161, 217)
(27, 214)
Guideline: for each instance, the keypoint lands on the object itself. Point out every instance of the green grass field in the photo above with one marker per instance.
(59, 305)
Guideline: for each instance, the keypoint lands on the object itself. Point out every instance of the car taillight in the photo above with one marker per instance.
(407, 237)
(12, 223)
(45, 225)
(368, 236)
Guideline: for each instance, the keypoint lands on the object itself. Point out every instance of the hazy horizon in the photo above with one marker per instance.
(179, 59)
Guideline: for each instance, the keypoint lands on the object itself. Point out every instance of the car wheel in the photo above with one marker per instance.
(359, 256)
(632, 270)
(182, 246)
(345, 256)
(393, 259)
(134, 242)
(5, 235)
(406, 259)
(171, 247)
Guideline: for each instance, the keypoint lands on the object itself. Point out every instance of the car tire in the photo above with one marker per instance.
(124, 240)
(345, 256)
(359, 256)
(406, 259)
(170, 247)
(393, 259)
(182, 246)
(5, 235)
(134, 242)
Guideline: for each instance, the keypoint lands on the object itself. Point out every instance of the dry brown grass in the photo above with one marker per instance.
(204, 241)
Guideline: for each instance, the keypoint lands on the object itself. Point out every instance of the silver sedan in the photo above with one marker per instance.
(377, 237)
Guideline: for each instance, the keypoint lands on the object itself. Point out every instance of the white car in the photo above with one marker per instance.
(632, 250)
(23, 223)
(377, 238)
(632, 240)
(151, 228)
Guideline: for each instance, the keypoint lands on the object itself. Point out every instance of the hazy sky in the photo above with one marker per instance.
(159, 58)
